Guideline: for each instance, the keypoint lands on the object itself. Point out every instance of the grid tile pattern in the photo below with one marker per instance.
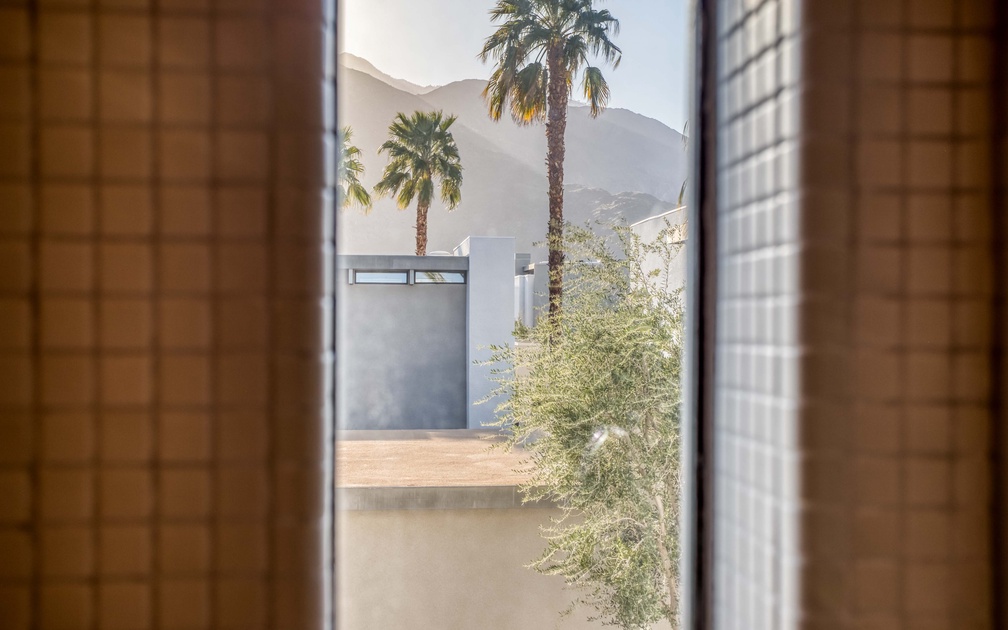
(165, 167)
(920, 553)
(756, 419)
(854, 300)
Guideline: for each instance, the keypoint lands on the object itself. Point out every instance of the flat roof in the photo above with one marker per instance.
(381, 262)
(426, 459)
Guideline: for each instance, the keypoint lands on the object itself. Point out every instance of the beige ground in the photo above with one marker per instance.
(424, 459)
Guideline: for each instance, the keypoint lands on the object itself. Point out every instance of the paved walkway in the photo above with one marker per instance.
(368, 459)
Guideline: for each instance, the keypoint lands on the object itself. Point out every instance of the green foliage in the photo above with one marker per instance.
(595, 402)
(527, 30)
(538, 49)
(420, 150)
(521, 331)
(349, 170)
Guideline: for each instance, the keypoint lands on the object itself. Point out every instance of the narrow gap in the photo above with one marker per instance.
(701, 277)
(999, 224)
(700, 394)
(333, 26)
(97, 287)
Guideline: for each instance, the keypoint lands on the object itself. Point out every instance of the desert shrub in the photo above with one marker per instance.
(595, 402)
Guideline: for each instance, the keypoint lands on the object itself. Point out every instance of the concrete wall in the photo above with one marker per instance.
(531, 291)
(648, 231)
(402, 348)
(410, 355)
(448, 568)
(491, 315)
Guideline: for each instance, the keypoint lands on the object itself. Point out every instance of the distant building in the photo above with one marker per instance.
(531, 283)
(413, 332)
(649, 229)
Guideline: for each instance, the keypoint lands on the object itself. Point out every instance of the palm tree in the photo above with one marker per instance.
(421, 149)
(350, 169)
(539, 49)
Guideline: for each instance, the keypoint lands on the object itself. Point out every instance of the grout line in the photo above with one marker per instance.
(332, 24)
(156, 300)
(999, 386)
(272, 221)
(35, 305)
(97, 422)
(776, 503)
(903, 33)
(951, 510)
(215, 297)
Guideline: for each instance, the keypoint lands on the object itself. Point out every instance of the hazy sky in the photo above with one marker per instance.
(433, 42)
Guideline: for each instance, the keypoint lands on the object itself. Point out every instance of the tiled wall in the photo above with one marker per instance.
(922, 271)
(163, 183)
(854, 314)
(757, 357)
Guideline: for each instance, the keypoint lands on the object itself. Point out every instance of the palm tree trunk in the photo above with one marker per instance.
(556, 127)
(421, 228)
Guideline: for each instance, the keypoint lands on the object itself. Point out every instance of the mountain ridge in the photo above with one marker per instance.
(352, 61)
(620, 165)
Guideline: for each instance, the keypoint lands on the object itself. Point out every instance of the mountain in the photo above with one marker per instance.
(348, 60)
(621, 164)
(597, 205)
(619, 151)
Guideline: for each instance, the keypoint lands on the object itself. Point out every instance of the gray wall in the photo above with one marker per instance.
(491, 317)
(402, 348)
(449, 568)
(531, 292)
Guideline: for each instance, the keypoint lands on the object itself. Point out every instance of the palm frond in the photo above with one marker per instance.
(358, 194)
(425, 190)
(447, 122)
(527, 30)
(596, 90)
(406, 193)
(451, 193)
(528, 94)
(349, 170)
(421, 149)
(391, 182)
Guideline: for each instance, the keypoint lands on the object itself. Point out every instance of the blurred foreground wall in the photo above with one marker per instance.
(857, 306)
(163, 364)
